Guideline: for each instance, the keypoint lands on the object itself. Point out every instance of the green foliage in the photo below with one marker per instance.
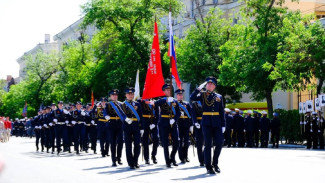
(290, 127)
(198, 53)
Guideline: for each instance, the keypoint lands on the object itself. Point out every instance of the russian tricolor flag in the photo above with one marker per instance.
(172, 53)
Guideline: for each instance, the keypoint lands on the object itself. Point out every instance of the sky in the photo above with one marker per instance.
(24, 23)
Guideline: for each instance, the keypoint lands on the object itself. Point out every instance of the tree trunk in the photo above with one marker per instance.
(269, 103)
(320, 86)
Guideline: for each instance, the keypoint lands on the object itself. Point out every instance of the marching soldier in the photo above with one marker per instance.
(115, 117)
(92, 125)
(168, 116)
(149, 122)
(100, 112)
(184, 125)
(238, 129)
(197, 113)
(265, 129)
(21, 127)
(256, 133)
(275, 130)
(78, 122)
(312, 131)
(59, 120)
(320, 122)
(68, 130)
(46, 129)
(37, 128)
(132, 127)
(51, 124)
(228, 131)
(213, 122)
(249, 128)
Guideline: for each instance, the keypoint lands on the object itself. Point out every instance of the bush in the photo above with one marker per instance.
(290, 126)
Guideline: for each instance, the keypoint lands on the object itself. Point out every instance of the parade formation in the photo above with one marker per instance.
(136, 124)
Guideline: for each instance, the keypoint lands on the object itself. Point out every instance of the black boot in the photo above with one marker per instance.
(211, 171)
(119, 161)
(154, 160)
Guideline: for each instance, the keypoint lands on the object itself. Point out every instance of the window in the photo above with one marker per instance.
(215, 1)
(235, 21)
(203, 2)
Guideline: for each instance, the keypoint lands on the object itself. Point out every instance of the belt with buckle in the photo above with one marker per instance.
(167, 116)
(60, 123)
(183, 117)
(147, 116)
(103, 120)
(199, 118)
(211, 113)
(80, 122)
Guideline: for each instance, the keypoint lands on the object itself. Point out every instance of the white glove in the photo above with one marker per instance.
(55, 120)
(305, 122)
(319, 131)
(66, 122)
(128, 120)
(83, 113)
(182, 113)
(321, 120)
(202, 85)
(73, 122)
(141, 132)
(191, 129)
(107, 117)
(50, 124)
(244, 130)
(92, 122)
(197, 125)
(301, 122)
(98, 104)
(152, 126)
(311, 130)
(171, 121)
(223, 129)
(45, 125)
(151, 102)
(170, 99)
(65, 111)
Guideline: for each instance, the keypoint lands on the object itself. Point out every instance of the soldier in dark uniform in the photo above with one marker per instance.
(42, 123)
(100, 112)
(312, 131)
(197, 113)
(59, 120)
(132, 127)
(15, 127)
(115, 117)
(149, 122)
(37, 128)
(184, 123)
(168, 117)
(320, 123)
(21, 127)
(227, 133)
(78, 122)
(92, 125)
(51, 124)
(249, 128)
(265, 129)
(46, 129)
(213, 122)
(256, 132)
(238, 129)
(275, 130)
(67, 134)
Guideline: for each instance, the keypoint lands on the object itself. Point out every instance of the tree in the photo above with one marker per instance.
(249, 57)
(122, 44)
(198, 53)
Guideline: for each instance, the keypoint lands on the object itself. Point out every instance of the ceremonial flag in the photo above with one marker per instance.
(24, 113)
(172, 54)
(154, 79)
(137, 87)
(92, 98)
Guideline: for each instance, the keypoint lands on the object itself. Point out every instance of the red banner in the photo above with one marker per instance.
(154, 79)
(92, 99)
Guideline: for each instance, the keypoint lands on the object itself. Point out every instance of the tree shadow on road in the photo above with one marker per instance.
(200, 176)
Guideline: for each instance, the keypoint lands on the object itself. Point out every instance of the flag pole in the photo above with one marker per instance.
(170, 58)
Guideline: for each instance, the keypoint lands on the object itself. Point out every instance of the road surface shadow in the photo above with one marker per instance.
(189, 168)
(200, 176)
(96, 168)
